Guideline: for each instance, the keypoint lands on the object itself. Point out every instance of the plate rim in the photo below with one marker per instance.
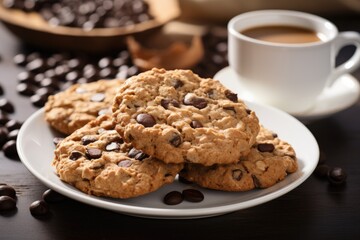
(166, 213)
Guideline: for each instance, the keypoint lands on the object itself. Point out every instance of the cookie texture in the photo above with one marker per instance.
(269, 161)
(96, 160)
(178, 117)
(79, 104)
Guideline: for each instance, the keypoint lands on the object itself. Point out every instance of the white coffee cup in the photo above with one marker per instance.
(287, 75)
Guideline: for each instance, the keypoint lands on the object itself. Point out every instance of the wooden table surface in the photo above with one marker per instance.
(314, 210)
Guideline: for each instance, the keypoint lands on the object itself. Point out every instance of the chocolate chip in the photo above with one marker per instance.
(39, 208)
(193, 100)
(266, 147)
(7, 203)
(248, 111)
(192, 195)
(146, 120)
(173, 198)
(337, 176)
(85, 140)
(178, 84)
(196, 124)
(231, 96)
(51, 196)
(57, 140)
(237, 174)
(75, 155)
(137, 154)
(175, 140)
(6, 106)
(93, 153)
(6, 190)
(113, 146)
(125, 163)
(256, 181)
(229, 108)
(98, 97)
(166, 102)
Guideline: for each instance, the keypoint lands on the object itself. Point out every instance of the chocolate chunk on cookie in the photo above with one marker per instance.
(79, 104)
(97, 161)
(269, 161)
(179, 117)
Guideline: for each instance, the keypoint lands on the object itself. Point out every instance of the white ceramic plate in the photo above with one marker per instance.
(35, 147)
(341, 95)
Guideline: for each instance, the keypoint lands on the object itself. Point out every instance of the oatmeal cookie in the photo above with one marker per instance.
(96, 160)
(79, 104)
(177, 117)
(269, 161)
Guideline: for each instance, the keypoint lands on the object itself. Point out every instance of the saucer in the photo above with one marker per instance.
(341, 95)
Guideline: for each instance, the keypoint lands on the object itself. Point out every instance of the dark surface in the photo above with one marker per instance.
(314, 210)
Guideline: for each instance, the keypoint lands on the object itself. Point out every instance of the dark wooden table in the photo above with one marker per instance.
(314, 210)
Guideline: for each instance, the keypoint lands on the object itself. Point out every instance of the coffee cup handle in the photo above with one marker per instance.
(344, 39)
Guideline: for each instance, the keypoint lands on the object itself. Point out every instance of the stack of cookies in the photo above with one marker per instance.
(129, 138)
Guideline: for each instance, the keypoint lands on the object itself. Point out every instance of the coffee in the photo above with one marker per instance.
(282, 34)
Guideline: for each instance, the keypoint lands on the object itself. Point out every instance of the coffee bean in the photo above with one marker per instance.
(3, 118)
(39, 208)
(231, 96)
(25, 77)
(6, 106)
(36, 65)
(51, 196)
(38, 100)
(7, 203)
(265, 147)
(12, 125)
(13, 134)
(20, 59)
(9, 149)
(93, 153)
(196, 124)
(173, 198)
(3, 135)
(6, 190)
(337, 176)
(192, 195)
(322, 170)
(146, 120)
(1, 90)
(192, 99)
(25, 89)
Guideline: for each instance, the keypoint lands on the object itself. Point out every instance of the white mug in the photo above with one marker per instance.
(287, 75)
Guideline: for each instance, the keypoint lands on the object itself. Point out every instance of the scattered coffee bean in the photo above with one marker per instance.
(20, 59)
(3, 135)
(7, 203)
(146, 120)
(25, 89)
(13, 134)
(337, 176)
(51, 196)
(192, 195)
(322, 170)
(6, 106)
(3, 118)
(6, 190)
(12, 125)
(9, 149)
(265, 147)
(38, 100)
(173, 198)
(39, 208)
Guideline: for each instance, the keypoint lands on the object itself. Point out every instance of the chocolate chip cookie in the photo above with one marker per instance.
(177, 117)
(269, 161)
(73, 108)
(96, 160)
